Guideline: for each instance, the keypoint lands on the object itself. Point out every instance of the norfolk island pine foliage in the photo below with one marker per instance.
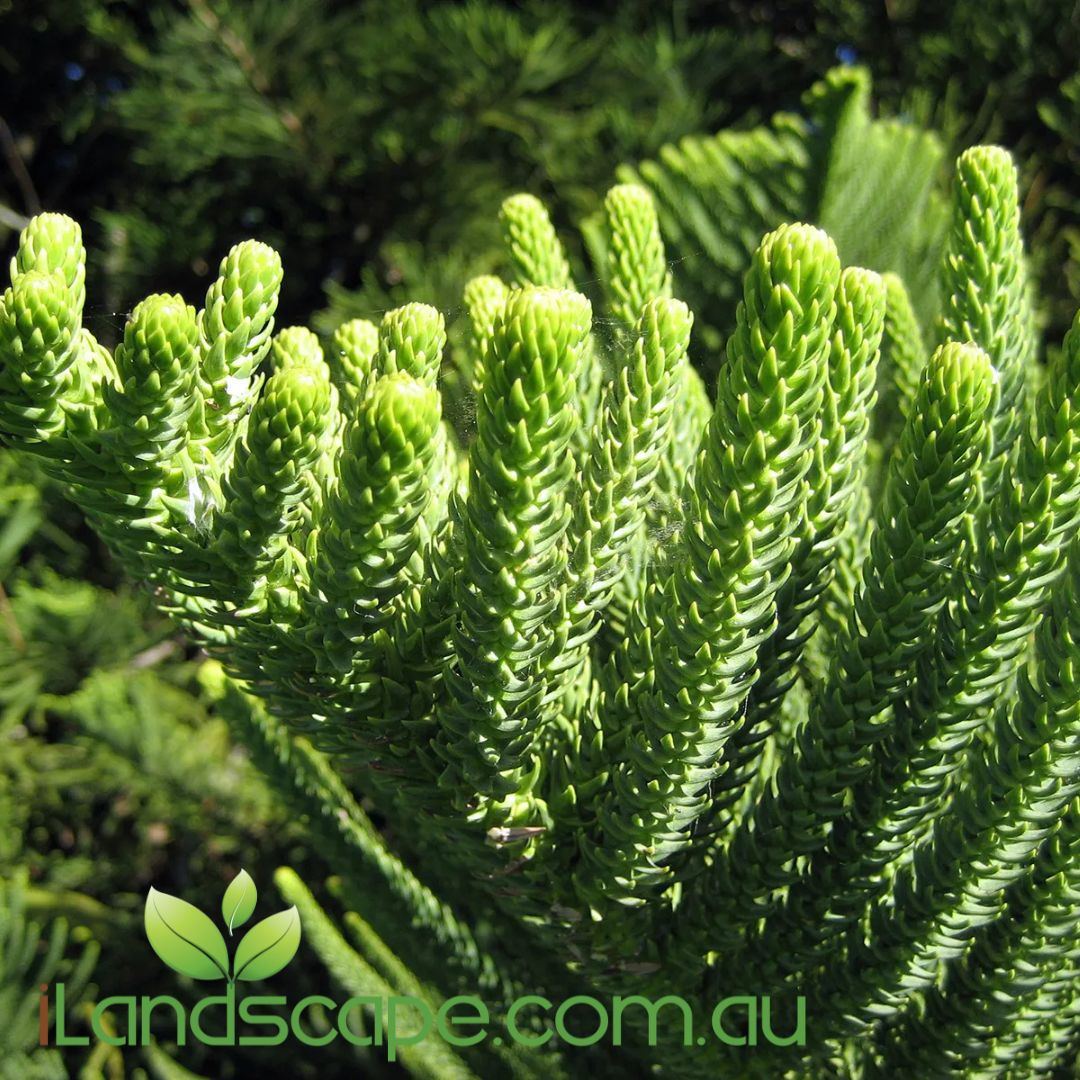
(756, 688)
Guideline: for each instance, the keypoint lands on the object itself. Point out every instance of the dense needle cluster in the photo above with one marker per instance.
(774, 687)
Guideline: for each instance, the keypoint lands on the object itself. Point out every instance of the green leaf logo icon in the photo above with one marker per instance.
(268, 946)
(185, 938)
(189, 942)
(239, 901)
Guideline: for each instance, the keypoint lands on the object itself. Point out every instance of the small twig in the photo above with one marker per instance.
(248, 64)
(232, 41)
(18, 168)
(1034, 195)
(11, 624)
(11, 219)
(154, 655)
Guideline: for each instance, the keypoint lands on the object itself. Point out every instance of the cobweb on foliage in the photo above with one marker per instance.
(610, 341)
(94, 318)
(667, 516)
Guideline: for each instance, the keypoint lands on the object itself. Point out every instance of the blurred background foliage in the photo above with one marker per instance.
(371, 144)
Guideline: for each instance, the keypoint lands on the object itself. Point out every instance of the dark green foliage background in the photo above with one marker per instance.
(369, 142)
